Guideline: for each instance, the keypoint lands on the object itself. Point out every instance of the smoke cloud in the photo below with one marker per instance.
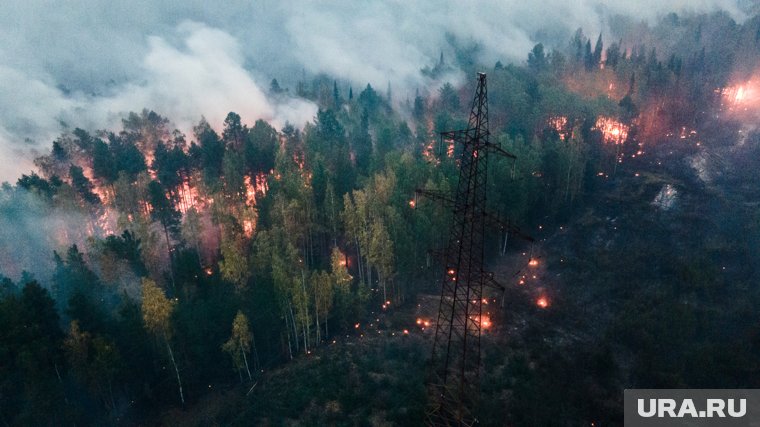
(30, 229)
(87, 63)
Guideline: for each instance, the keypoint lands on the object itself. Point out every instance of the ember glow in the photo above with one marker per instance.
(542, 302)
(485, 321)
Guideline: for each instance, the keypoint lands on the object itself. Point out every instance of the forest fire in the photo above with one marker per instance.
(250, 191)
(102, 194)
(613, 131)
(734, 96)
(253, 187)
(248, 228)
(560, 125)
(107, 221)
(428, 151)
(485, 321)
(741, 97)
(169, 244)
(450, 149)
(189, 198)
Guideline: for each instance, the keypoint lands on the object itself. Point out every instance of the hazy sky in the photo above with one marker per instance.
(86, 63)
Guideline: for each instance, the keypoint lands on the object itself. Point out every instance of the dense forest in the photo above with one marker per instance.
(250, 275)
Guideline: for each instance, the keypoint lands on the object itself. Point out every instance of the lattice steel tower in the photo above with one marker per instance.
(455, 364)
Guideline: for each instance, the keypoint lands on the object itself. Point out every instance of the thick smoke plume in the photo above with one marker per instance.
(31, 229)
(86, 63)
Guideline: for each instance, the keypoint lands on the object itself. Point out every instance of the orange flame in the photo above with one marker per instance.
(559, 124)
(613, 131)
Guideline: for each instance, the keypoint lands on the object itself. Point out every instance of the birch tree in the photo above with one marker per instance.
(381, 254)
(234, 265)
(157, 311)
(239, 344)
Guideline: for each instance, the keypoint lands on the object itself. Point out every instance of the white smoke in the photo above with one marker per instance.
(87, 62)
(202, 75)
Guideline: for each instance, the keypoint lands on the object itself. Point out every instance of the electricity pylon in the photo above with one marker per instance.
(455, 362)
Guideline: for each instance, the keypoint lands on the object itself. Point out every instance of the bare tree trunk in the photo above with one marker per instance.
(305, 342)
(110, 395)
(60, 380)
(293, 321)
(255, 353)
(171, 258)
(287, 333)
(245, 359)
(316, 314)
(567, 187)
(369, 273)
(367, 261)
(176, 370)
(359, 260)
(306, 321)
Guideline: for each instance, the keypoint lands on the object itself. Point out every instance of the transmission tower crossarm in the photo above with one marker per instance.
(491, 218)
(491, 282)
(496, 149)
(508, 226)
(458, 135)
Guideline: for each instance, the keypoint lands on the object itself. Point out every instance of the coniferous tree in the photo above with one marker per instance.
(163, 211)
(598, 49)
(83, 186)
